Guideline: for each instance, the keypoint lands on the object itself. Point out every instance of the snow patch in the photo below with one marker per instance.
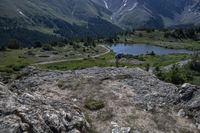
(106, 4)
(134, 6)
(21, 13)
(125, 2)
(120, 10)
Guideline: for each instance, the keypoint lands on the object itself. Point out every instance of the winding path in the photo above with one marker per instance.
(65, 60)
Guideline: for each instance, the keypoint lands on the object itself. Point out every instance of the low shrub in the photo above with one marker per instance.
(2, 48)
(13, 44)
(16, 67)
(6, 70)
(195, 63)
(47, 47)
(175, 75)
(105, 115)
(93, 105)
(31, 53)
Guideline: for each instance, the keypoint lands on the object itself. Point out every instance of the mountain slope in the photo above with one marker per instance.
(68, 10)
(68, 18)
(152, 13)
(125, 13)
(80, 18)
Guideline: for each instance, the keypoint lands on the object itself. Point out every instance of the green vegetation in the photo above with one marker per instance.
(175, 39)
(24, 36)
(61, 84)
(108, 60)
(81, 53)
(193, 68)
(195, 63)
(13, 60)
(185, 74)
(163, 60)
(105, 115)
(92, 130)
(45, 30)
(2, 48)
(93, 105)
(175, 75)
(13, 44)
(102, 61)
(47, 47)
(179, 75)
(194, 76)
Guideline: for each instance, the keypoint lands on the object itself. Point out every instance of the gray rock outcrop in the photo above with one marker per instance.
(189, 100)
(35, 113)
(134, 101)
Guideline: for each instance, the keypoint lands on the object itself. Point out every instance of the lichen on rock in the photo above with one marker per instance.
(125, 100)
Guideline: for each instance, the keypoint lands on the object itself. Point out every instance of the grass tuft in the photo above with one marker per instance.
(93, 104)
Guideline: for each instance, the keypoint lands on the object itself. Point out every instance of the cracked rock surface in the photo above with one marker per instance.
(36, 113)
(134, 101)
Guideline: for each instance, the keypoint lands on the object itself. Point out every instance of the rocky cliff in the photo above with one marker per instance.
(124, 100)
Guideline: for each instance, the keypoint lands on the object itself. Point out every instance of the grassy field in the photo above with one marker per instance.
(83, 56)
(164, 60)
(13, 60)
(109, 60)
(66, 52)
(103, 61)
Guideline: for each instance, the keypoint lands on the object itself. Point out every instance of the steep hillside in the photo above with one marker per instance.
(152, 13)
(35, 11)
(64, 17)
(80, 18)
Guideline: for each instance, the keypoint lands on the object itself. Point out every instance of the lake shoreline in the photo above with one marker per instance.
(154, 43)
(141, 49)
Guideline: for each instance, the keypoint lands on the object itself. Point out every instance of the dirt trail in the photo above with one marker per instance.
(64, 60)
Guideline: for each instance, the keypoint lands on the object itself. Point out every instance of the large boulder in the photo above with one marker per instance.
(36, 113)
(189, 100)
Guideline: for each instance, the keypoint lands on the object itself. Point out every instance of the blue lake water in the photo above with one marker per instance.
(138, 49)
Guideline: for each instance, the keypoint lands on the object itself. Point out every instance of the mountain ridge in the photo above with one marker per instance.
(97, 18)
(146, 13)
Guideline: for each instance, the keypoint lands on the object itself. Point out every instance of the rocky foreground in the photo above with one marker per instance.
(134, 101)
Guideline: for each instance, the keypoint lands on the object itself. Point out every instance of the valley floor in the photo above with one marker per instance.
(80, 89)
(14, 60)
(70, 58)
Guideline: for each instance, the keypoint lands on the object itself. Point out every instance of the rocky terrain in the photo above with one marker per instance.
(28, 113)
(104, 100)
